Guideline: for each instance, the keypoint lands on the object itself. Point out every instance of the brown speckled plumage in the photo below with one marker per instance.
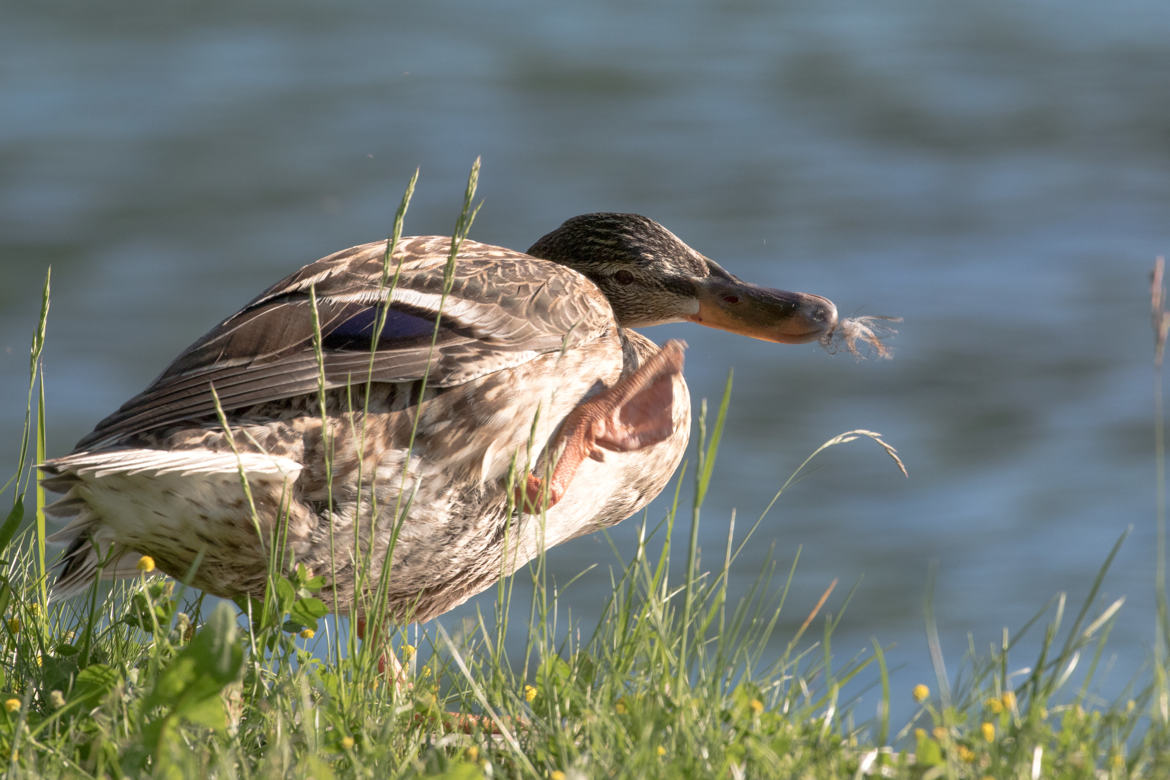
(377, 460)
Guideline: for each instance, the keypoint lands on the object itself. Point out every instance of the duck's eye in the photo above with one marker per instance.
(624, 277)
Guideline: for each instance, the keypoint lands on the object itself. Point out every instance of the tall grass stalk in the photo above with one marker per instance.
(1161, 323)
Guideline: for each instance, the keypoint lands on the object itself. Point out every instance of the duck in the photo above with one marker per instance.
(411, 420)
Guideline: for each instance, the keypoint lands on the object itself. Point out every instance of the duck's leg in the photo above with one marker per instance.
(391, 668)
(388, 664)
(635, 413)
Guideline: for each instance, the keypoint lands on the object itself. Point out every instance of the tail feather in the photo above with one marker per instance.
(82, 563)
(78, 568)
(55, 481)
(69, 506)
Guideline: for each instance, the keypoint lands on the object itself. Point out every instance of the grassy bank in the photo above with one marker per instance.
(676, 680)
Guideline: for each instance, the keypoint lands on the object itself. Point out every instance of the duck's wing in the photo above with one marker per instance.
(501, 309)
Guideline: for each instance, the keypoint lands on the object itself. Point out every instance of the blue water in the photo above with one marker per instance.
(996, 173)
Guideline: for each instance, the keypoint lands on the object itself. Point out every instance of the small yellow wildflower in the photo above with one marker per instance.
(14, 625)
(995, 705)
(988, 730)
(57, 699)
(620, 707)
(556, 774)
(12, 705)
(939, 732)
(661, 751)
(347, 743)
(757, 706)
(919, 733)
(146, 564)
(405, 653)
(921, 692)
(966, 754)
(1130, 705)
(472, 754)
(307, 633)
(1118, 761)
(1009, 700)
(529, 693)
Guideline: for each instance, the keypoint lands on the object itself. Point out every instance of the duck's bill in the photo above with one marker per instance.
(762, 313)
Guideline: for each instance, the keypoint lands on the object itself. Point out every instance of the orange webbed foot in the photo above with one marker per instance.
(637, 412)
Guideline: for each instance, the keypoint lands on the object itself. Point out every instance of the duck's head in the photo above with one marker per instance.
(651, 277)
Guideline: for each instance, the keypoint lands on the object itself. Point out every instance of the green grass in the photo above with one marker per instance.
(676, 680)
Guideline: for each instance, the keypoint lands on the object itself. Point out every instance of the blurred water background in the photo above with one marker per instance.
(997, 173)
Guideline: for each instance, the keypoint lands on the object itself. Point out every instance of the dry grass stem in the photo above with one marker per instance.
(815, 610)
(1161, 318)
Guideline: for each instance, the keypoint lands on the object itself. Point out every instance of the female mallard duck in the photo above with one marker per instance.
(398, 438)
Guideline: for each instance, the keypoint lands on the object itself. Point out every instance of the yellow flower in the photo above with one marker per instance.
(529, 693)
(919, 733)
(405, 653)
(146, 564)
(347, 743)
(472, 754)
(939, 732)
(661, 751)
(12, 705)
(757, 706)
(620, 707)
(988, 730)
(1009, 700)
(556, 774)
(14, 625)
(1118, 760)
(307, 633)
(966, 754)
(921, 692)
(995, 705)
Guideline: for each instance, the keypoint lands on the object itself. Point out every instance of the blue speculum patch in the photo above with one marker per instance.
(358, 330)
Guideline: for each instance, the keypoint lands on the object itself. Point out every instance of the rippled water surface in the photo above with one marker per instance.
(996, 173)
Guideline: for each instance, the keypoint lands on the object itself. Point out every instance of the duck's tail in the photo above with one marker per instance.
(122, 503)
(83, 559)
